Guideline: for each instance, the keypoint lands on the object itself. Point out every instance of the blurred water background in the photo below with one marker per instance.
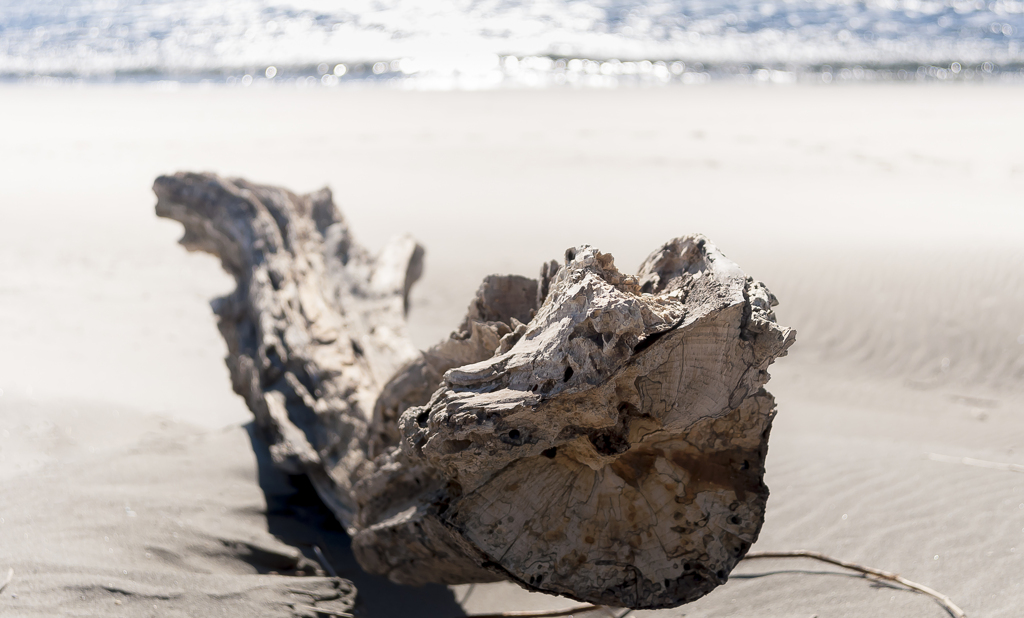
(493, 43)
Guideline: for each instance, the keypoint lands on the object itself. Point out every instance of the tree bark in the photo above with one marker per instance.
(591, 434)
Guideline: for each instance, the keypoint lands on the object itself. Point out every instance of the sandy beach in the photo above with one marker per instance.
(887, 219)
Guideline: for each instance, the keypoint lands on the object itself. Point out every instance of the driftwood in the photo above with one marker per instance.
(590, 434)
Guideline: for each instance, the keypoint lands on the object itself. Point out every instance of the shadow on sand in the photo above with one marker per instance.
(296, 516)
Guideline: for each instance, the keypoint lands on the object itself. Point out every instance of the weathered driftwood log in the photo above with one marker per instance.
(591, 434)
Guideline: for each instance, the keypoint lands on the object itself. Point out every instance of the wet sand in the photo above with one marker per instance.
(887, 219)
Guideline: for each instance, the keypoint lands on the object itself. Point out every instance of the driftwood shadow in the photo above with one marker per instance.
(297, 516)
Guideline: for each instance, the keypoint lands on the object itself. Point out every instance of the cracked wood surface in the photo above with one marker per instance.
(590, 433)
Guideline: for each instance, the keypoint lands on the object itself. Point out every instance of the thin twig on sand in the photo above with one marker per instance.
(322, 610)
(7, 580)
(323, 561)
(978, 463)
(317, 598)
(579, 609)
(945, 601)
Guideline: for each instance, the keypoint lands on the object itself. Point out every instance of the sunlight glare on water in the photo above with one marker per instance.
(518, 41)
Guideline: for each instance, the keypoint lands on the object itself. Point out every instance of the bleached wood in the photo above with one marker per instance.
(316, 325)
(590, 433)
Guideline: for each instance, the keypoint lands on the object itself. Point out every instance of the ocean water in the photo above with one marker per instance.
(494, 43)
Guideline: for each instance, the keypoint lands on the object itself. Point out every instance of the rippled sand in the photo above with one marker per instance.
(886, 219)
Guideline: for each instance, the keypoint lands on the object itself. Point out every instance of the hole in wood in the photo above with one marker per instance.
(609, 444)
(627, 408)
(457, 446)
